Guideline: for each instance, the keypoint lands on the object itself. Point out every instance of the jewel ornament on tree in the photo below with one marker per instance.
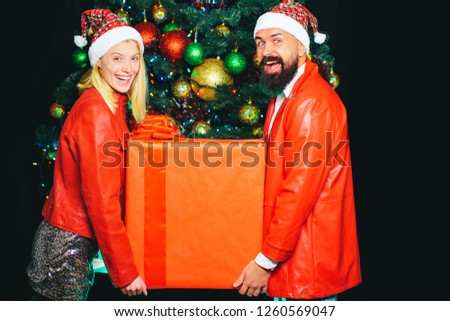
(258, 130)
(57, 110)
(334, 79)
(201, 128)
(222, 30)
(125, 16)
(159, 13)
(181, 89)
(249, 114)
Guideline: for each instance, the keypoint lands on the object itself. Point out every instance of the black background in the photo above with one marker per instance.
(395, 133)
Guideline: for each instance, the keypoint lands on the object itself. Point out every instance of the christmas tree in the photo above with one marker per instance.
(202, 70)
(201, 64)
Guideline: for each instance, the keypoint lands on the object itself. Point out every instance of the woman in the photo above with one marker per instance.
(84, 210)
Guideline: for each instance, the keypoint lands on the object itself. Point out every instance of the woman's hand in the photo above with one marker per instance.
(137, 287)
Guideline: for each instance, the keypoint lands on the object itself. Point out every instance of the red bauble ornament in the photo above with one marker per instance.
(149, 32)
(172, 44)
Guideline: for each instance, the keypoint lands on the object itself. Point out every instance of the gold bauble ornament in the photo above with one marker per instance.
(205, 78)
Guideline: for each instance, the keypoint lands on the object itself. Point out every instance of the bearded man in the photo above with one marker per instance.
(310, 246)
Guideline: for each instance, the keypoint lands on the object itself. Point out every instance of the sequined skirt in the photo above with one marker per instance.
(61, 263)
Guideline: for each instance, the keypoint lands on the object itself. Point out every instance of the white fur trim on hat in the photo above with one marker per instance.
(281, 21)
(111, 38)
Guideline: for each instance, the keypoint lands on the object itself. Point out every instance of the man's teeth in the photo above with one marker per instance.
(271, 62)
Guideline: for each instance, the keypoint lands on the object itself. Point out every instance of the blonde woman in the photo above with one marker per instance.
(84, 210)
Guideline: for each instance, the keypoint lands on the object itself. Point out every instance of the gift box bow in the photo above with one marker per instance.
(156, 127)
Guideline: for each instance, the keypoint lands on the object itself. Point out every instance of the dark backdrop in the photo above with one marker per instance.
(401, 218)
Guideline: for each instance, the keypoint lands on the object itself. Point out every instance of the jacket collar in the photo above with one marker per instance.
(309, 68)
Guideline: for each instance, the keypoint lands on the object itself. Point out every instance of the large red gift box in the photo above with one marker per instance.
(194, 207)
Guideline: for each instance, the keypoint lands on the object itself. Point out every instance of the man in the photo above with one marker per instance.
(310, 247)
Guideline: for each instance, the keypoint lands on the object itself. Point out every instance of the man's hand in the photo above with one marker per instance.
(136, 287)
(253, 280)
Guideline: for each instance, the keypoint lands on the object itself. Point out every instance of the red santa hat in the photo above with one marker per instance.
(294, 19)
(107, 30)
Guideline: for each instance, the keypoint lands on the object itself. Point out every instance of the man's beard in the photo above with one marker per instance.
(275, 83)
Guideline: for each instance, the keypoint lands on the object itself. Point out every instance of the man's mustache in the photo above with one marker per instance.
(270, 59)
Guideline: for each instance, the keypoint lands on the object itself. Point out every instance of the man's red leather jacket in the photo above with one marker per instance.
(309, 210)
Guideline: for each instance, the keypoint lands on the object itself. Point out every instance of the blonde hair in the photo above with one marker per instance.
(137, 94)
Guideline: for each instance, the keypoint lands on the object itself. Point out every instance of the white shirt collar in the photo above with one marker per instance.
(287, 90)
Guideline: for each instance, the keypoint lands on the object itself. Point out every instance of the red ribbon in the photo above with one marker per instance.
(156, 127)
(155, 222)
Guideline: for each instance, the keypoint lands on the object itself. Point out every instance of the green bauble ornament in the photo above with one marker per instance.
(169, 27)
(80, 57)
(194, 53)
(235, 63)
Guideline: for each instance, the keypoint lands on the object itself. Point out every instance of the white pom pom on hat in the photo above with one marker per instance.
(80, 41)
(294, 19)
(107, 31)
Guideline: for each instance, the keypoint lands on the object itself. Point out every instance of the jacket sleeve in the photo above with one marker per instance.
(304, 171)
(102, 184)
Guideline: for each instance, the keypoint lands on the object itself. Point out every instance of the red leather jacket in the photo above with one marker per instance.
(309, 211)
(87, 195)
